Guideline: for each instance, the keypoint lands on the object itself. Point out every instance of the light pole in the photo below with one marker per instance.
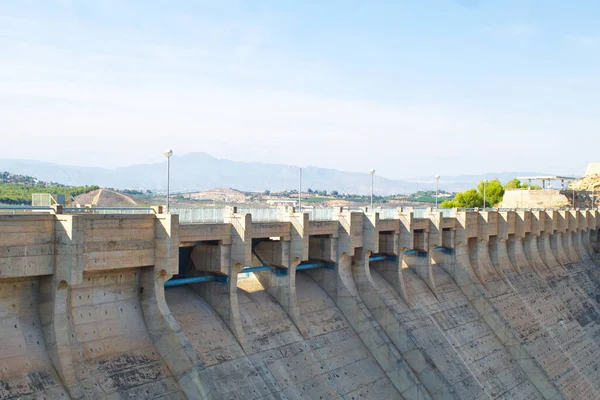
(372, 172)
(168, 154)
(437, 191)
(484, 183)
(300, 192)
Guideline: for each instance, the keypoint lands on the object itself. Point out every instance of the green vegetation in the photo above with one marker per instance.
(517, 184)
(467, 199)
(17, 189)
(494, 192)
(425, 196)
(513, 184)
(473, 198)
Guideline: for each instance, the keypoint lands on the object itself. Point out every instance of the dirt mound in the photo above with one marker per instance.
(104, 198)
(588, 182)
(226, 195)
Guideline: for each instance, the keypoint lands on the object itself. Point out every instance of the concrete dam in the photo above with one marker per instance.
(371, 304)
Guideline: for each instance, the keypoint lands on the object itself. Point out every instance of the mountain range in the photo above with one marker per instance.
(200, 171)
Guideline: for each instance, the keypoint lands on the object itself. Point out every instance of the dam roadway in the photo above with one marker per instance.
(372, 304)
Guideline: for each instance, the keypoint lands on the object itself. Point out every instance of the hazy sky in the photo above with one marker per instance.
(410, 88)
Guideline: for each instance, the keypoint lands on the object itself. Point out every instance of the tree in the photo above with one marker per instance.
(513, 184)
(467, 199)
(517, 184)
(494, 192)
(267, 192)
(335, 193)
(309, 191)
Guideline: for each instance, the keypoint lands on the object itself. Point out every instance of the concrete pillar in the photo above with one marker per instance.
(484, 261)
(54, 316)
(530, 245)
(545, 248)
(222, 297)
(558, 249)
(163, 329)
(282, 286)
(501, 261)
(463, 271)
(578, 239)
(55, 301)
(520, 260)
(570, 247)
(585, 241)
(422, 267)
(392, 270)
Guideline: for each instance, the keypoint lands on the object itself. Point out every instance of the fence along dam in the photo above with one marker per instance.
(371, 304)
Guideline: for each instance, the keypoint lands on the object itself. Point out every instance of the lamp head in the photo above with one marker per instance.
(168, 153)
(372, 171)
(437, 177)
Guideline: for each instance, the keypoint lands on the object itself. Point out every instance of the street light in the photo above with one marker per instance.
(168, 154)
(437, 181)
(372, 172)
(300, 192)
(484, 183)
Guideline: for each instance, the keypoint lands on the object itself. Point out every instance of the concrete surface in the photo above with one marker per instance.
(484, 305)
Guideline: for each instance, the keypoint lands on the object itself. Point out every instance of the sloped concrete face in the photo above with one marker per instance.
(418, 335)
(333, 365)
(474, 341)
(114, 355)
(224, 369)
(490, 305)
(26, 368)
(338, 348)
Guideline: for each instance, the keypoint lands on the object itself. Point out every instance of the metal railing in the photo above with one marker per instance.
(108, 210)
(14, 210)
(217, 215)
(321, 214)
(448, 212)
(260, 214)
(388, 213)
(199, 215)
(419, 212)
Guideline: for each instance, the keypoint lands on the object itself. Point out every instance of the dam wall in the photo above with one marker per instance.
(359, 304)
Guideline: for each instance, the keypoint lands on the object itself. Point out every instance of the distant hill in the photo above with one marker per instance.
(199, 171)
